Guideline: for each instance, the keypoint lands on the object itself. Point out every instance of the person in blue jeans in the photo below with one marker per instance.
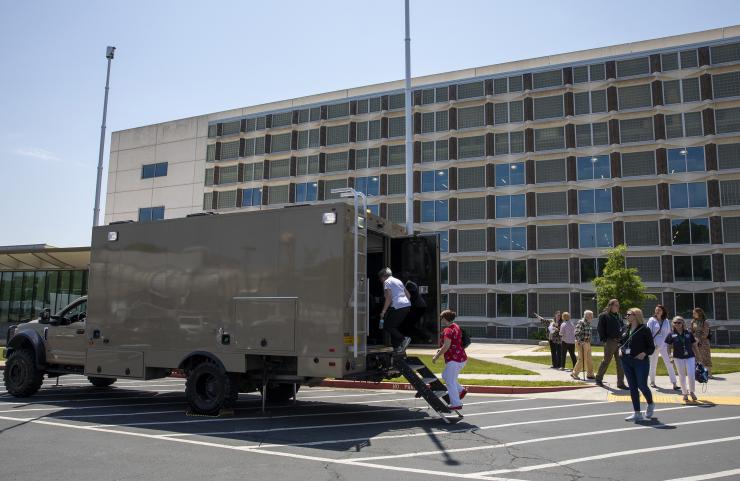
(635, 346)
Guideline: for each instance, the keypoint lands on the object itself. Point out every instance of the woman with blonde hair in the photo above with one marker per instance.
(635, 346)
(700, 330)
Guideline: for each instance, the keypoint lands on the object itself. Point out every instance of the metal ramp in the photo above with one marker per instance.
(427, 386)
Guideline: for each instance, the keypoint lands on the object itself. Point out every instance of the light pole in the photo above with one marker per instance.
(109, 51)
(409, 134)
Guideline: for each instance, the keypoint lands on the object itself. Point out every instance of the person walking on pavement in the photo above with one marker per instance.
(554, 339)
(700, 330)
(660, 328)
(568, 344)
(455, 358)
(635, 346)
(583, 346)
(610, 331)
(683, 345)
(395, 309)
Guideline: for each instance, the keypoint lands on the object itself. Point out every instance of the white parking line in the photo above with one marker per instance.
(609, 455)
(701, 477)
(243, 448)
(540, 440)
(99, 406)
(107, 398)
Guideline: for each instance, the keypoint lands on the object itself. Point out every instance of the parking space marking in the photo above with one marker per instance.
(248, 449)
(99, 406)
(540, 440)
(155, 394)
(701, 477)
(440, 432)
(609, 455)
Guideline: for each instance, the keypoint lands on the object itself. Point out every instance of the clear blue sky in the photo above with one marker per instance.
(182, 58)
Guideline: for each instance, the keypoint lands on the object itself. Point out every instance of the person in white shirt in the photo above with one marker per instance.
(660, 327)
(395, 309)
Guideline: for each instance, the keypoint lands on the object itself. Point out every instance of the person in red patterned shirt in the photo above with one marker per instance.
(455, 357)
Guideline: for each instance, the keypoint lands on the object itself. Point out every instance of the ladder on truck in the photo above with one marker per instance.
(427, 386)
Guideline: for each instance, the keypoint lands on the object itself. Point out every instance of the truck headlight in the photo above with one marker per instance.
(329, 218)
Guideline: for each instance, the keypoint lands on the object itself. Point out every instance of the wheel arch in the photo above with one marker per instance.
(196, 357)
(32, 341)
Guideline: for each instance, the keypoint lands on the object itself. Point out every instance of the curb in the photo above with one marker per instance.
(473, 389)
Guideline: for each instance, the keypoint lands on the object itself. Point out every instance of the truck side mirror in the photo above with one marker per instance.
(45, 315)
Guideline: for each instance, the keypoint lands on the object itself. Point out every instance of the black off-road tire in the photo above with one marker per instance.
(209, 389)
(101, 381)
(21, 375)
(279, 393)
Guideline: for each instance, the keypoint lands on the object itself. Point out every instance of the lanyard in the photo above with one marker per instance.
(628, 341)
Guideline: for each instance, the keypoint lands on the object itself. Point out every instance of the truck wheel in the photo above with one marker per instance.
(280, 392)
(22, 377)
(208, 389)
(101, 381)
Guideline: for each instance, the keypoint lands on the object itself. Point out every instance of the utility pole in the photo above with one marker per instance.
(96, 213)
(409, 134)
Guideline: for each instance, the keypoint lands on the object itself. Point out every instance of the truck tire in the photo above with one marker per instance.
(209, 389)
(22, 377)
(101, 381)
(280, 393)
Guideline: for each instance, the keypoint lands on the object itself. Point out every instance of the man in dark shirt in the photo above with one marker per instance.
(610, 330)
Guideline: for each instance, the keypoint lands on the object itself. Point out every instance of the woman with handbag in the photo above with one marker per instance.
(683, 345)
(702, 334)
(452, 349)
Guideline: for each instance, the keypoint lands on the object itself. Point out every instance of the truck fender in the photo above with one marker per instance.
(196, 357)
(29, 340)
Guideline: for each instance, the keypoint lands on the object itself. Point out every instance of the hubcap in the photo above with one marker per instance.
(207, 387)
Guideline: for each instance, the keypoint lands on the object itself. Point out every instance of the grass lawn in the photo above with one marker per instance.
(476, 366)
(504, 382)
(720, 365)
(728, 350)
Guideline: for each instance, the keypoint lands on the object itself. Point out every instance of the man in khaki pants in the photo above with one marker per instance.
(583, 347)
(610, 331)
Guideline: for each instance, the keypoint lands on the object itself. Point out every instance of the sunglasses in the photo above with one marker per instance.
(678, 323)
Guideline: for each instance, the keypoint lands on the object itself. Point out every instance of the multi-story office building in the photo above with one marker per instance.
(528, 170)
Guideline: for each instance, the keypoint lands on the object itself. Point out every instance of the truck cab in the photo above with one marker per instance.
(51, 344)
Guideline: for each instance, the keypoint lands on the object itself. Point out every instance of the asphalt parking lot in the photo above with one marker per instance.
(139, 431)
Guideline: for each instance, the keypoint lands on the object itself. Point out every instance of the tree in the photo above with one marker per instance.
(617, 281)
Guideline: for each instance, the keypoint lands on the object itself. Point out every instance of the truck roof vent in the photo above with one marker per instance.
(199, 214)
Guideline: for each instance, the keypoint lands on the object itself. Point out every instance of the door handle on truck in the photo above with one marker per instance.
(80, 331)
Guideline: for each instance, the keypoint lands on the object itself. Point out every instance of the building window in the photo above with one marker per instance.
(506, 112)
(307, 139)
(732, 267)
(594, 167)
(690, 231)
(511, 238)
(231, 128)
(374, 209)
(280, 143)
(444, 272)
(471, 178)
(729, 191)
(230, 150)
(728, 156)
(148, 214)
(396, 155)
(337, 135)
(592, 134)
(595, 235)
(508, 206)
(552, 237)
(306, 191)
(692, 268)
(641, 233)
(252, 197)
(212, 131)
(508, 84)
(279, 168)
(684, 125)
(552, 138)
(396, 213)
(677, 91)
(726, 85)
(471, 90)
(687, 159)
(434, 181)
(585, 73)
(308, 165)
(209, 177)
(149, 171)
(687, 301)
(552, 203)
(589, 102)
(635, 97)
(444, 244)
(282, 119)
(278, 194)
(211, 153)
(253, 171)
(591, 269)
(636, 130)
(336, 111)
(552, 271)
(511, 305)
(337, 161)
(640, 198)
(548, 107)
(553, 302)
(692, 194)
(434, 95)
(632, 67)
(471, 117)
(509, 143)
(731, 230)
(396, 127)
(396, 184)
(508, 174)
(551, 78)
(471, 208)
(435, 122)
(725, 53)
(369, 130)
(471, 272)
(648, 268)
(226, 199)
(367, 158)
(471, 147)
(635, 164)
(366, 106)
(396, 101)
(511, 272)
(471, 305)
(434, 151)
(594, 200)
(472, 240)
(434, 211)
(727, 120)
(549, 171)
(370, 186)
(330, 185)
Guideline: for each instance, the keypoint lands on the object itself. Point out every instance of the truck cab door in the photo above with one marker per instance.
(65, 338)
(416, 259)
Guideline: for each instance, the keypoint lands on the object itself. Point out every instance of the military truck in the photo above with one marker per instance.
(253, 301)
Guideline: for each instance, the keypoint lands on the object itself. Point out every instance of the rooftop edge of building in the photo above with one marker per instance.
(513, 67)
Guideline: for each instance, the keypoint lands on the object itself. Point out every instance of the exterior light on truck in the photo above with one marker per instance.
(329, 218)
(112, 236)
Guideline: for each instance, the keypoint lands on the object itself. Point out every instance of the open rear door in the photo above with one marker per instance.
(416, 259)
